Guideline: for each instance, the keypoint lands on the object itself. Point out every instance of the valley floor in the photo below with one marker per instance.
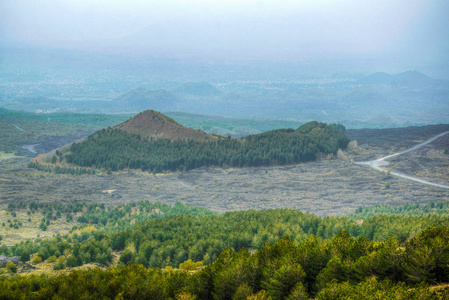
(325, 187)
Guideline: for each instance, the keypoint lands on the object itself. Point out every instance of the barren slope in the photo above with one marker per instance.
(152, 124)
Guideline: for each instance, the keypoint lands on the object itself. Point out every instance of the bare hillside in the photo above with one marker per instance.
(152, 124)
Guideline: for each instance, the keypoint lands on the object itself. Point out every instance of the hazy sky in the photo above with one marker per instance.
(236, 30)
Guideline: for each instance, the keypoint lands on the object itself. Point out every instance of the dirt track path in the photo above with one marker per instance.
(18, 128)
(30, 148)
(381, 163)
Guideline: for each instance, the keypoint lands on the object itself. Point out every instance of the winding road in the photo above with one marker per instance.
(18, 128)
(381, 163)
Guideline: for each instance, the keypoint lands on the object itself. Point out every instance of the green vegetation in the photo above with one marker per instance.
(132, 213)
(114, 150)
(11, 267)
(428, 210)
(175, 237)
(60, 170)
(18, 128)
(47, 219)
(337, 267)
(395, 252)
(189, 265)
(36, 259)
(81, 213)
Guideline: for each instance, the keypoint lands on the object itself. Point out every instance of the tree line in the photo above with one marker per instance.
(440, 208)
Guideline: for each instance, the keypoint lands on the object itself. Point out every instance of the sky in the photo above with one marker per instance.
(266, 30)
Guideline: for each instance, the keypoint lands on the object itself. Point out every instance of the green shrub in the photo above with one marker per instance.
(25, 256)
(71, 261)
(36, 259)
(51, 259)
(60, 263)
(190, 265)
(11, 267)
(127, 257)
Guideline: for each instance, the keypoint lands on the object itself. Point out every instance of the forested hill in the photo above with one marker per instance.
(115, 149)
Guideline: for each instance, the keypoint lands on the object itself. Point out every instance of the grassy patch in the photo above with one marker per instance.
(6, 156)
(30, 226)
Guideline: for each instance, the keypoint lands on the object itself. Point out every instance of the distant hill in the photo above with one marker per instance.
(346, 76)
(141, 99)
(153, 124)
(33, 104)
(384, 121)
(377, 78)
(409, 78)
(414, 78)
(200, 89)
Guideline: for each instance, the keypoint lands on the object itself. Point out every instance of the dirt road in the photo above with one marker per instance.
(381, 163)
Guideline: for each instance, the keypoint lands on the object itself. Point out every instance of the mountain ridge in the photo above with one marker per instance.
(407, 78)
(197, 89)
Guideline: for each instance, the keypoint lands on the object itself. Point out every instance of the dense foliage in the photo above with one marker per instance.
(278, 253)
(172, 240)
(114, 150)
(334, 268)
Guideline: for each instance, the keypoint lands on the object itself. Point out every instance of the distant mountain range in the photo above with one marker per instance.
(409, 78)
(202, 95)
(409, 97)
(141, 99)
(198, 89)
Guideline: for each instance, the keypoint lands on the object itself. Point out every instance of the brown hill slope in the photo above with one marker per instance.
(151, 123)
